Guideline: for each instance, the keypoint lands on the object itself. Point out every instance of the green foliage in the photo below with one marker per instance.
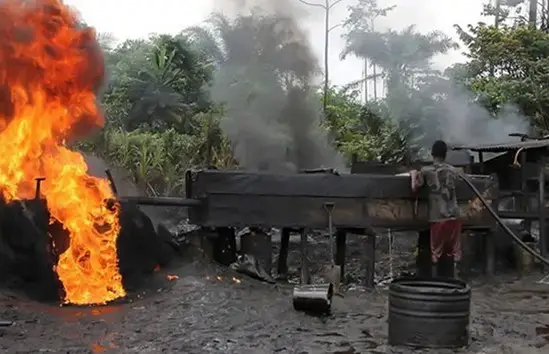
(161, 119)
(509, 65)
(365, 131)
(158, 83)
(402, 55)
(157, 160)
(404, 59)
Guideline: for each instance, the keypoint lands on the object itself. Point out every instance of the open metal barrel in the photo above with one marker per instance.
(313, 299)
(429, 313)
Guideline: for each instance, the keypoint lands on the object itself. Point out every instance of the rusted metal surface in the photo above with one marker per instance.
(256, 199)
(162, 201)
(456, 158)
(507, 146)
(367, 167)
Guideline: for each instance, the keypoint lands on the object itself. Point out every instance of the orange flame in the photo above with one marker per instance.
(50, 69)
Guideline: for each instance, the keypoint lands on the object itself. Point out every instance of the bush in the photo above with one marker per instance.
(157, 161)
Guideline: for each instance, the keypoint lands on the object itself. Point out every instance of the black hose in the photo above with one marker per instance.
(506, 228)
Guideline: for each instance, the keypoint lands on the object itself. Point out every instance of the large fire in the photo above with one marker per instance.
(50, 70)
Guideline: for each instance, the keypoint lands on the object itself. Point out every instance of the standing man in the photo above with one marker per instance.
(445, 229)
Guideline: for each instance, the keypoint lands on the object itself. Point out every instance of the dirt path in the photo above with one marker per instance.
(201, 313)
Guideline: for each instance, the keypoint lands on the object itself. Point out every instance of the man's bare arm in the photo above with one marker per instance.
(418, 180)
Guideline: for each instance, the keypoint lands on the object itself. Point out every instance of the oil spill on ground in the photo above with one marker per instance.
(196, 315)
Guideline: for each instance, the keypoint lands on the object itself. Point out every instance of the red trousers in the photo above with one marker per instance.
(446, 238)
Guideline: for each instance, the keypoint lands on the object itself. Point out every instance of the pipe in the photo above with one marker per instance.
(506, 228)
(162, 201)
(39, 181)
(111, 181)
(516, 164)
(320, 170)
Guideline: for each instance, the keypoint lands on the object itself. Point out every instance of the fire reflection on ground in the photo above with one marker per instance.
(220, 278)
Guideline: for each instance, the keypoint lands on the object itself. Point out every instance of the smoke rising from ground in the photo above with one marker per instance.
(272, 116)
(469, 123)
(461, 119)
(442, 108)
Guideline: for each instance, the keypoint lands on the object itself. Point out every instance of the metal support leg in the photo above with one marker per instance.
(305, 273)
(38, 191)
(339, 257)
(370, 262)
(282, 263)
(541, 210)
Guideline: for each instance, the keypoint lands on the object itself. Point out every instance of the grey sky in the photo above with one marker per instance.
(138, 18)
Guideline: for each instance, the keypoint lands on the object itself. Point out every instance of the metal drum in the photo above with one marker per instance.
(313, 299)
(429, 313)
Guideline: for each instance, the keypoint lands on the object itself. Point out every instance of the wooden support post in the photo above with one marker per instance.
(305, 273)
(481, 162)
(541, 203)
(339, 257)
(370, 262)
(282, 266)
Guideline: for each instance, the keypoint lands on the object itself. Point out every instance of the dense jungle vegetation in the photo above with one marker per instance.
(161, 118)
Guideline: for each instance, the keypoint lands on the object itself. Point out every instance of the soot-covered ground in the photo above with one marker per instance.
(209, 309)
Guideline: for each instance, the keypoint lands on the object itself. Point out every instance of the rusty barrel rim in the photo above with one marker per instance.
(429, 313)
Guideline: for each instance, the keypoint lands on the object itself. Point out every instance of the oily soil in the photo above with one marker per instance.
(209, 309)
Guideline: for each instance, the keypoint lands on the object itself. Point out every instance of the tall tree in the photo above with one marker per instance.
(361, 20)
(156, 82)
(328, 27)
(401, 54)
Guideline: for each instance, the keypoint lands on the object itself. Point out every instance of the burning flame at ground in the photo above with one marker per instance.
(50, 69)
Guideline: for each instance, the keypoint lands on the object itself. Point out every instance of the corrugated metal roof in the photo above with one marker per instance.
(458, 158)
(502, 147)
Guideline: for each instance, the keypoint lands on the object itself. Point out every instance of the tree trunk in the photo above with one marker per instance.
(326, 47)
(533, 13)
(375, 82)
(365, 80)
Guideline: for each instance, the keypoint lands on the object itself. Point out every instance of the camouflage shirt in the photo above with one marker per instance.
(440, 179)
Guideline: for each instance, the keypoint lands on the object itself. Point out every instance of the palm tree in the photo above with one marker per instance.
(400, 54)
(162, 80)
(266, 41)
(153, 92)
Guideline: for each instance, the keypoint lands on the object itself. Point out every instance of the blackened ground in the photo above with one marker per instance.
(211, 310)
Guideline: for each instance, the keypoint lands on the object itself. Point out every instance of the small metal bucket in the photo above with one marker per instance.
(313, 299)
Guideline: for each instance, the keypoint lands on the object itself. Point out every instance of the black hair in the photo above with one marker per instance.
(439, 150)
